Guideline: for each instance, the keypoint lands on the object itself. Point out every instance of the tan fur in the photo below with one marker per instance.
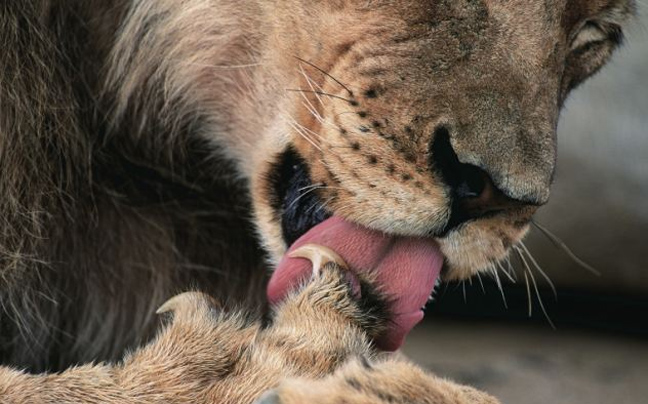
(316, 350)
(138, 139)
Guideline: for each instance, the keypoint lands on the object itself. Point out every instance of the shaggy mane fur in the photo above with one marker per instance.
(98, 226)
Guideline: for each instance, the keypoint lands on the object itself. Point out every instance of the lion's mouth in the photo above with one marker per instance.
(406, 268)
(297, 198)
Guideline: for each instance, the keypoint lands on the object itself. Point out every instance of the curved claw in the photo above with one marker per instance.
(319, 256)
(187, 302)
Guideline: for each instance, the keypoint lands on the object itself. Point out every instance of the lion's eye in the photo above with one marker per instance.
(590, 47)
(594, 33)
(590, 33)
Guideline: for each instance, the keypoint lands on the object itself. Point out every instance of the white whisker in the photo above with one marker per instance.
(499, 285)
(527, 269)
(481, 283)
(300, 132)
(535, 264)
(463, 286)
(544, 310)
(505, 272)
(561, 244)
(310, 84)
(528, 287)
(303, 195)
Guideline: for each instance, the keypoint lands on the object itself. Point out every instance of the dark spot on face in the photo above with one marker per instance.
(345, 47)
(362, 114)
(406, 177)
(391, 168)
(408, 130)
(371, 93)
(386, 397)
(354, 103)
(373, 159)
(354, 383)
(418, 184)
(355, 146)
(343, 131)
(375, 124)
(364, 129)
(410, 157)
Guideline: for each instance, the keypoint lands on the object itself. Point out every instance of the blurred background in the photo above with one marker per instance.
(591, 345)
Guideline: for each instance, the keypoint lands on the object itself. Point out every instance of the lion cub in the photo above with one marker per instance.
(316, 349)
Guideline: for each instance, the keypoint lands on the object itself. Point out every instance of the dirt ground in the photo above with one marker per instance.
(535, 365)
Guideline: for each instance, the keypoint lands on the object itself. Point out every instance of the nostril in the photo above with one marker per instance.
(472, 182)
(466, 181)
(473, 192)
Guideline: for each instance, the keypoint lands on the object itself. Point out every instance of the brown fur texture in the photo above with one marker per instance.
(137, 140)
(316, 350)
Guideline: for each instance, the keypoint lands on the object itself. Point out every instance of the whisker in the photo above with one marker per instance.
(317, 135)
(224, 67)
(310, 186)
(481, 283)
(302, 134)
(463, 287)
(301, 196)
(561, 245)
(527, 269)
(310, 84)
(325, 73)
(324, 204)
(505, 272)
(544, 310)
(311, 108)
(528, 287)
(537, 266)
(510, 266)
(301, 90)
(499, 285)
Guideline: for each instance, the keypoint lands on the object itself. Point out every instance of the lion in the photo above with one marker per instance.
(150, 147)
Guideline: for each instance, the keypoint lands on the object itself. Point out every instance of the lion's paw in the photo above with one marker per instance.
(333, 295)
(360, 382)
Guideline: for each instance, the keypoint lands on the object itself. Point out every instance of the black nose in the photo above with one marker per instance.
(473, 193)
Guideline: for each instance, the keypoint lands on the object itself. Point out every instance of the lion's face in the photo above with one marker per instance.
(425, 118)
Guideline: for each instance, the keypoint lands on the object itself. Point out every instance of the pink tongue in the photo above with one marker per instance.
(406, 269)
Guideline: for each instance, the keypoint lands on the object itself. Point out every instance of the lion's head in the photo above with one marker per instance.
(418, 118)
(422, 118)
